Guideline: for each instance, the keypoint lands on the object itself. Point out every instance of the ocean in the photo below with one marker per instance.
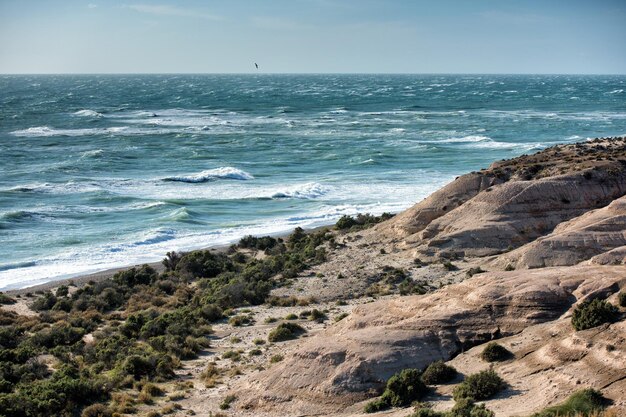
(103, 171)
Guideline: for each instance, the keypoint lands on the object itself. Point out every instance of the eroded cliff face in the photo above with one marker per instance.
(558, 218)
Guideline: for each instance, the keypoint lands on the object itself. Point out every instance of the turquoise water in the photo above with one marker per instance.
(105, 171)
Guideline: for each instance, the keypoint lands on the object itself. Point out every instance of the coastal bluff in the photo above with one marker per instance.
(546, 232)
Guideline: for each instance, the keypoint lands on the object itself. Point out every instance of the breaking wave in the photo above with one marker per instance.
(229, 173)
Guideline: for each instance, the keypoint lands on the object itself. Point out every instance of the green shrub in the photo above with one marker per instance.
(317, 315)
(136, 276)
(479, 386)
(203, 264)
(376, 405)
(438, 373)
(581, 403)
(5, 299)
(276, 358)
(621, 299)
(285, 331)
(171, 260)
(401, 390)
(211, 312)
(232, 355)
(345, 222)
(465, 407)
(495, 352)
(291, 316)
(404, 387)
(45, 302)
(361, 221)
(259, 243)
(239, 321)
(62, 291)
(591, 314)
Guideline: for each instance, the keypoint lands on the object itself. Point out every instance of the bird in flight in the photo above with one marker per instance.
(256, 65)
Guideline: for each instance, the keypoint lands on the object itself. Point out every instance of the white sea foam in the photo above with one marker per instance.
(88, 113)
(46, 131)
(212, 174)
(304, 191)
(618, 91)
(468, 138)
(152, 244)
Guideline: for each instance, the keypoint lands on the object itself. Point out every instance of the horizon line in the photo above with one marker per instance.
(309, 73)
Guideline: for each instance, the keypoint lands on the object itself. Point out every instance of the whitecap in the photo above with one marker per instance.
(618, 91)
(211, 175)
(305, 191)
(469, 138)
(88, 113)
(95, 153)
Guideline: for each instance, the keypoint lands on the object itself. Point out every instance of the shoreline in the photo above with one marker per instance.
(83, 279)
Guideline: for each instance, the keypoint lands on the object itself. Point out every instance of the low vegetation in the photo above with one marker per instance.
(361, 221)
(140, 325)
(480, 386)
(463, 408)
(495, 352)
(582, 403)
(593, 313)
(285, 331)
(438, 373)
(401, 390)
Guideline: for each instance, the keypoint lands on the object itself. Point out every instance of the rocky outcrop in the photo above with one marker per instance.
(514, 202)
(351, 360)
(592, 234)
(557, 217)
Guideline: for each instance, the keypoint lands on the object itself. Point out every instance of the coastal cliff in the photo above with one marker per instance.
(560, 212)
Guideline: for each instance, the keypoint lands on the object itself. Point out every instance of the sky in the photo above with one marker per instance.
(313, 36)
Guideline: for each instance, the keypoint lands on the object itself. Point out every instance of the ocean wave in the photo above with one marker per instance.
(69, 187)
(468, 138)
(46, 131)
(17, 265)
(305, 191)
(211, 175)
(96, 153)
(618, 91)
(88, 113)
(17, 216)
(155, 236)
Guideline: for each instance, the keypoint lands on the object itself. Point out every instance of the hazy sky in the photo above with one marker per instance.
(284, 36)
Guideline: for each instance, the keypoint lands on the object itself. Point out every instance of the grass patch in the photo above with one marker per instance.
(583, 403)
